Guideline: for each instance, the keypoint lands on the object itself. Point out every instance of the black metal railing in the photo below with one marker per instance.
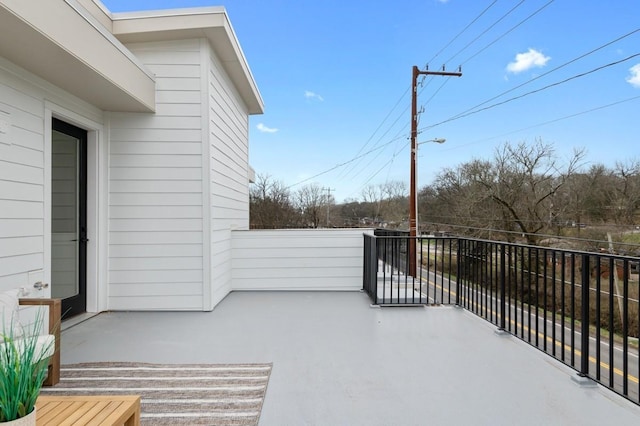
(581, 308)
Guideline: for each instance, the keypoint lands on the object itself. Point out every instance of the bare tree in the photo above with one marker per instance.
(271, 205)
(522, 181)
(514, 192)
(625, 199)
(387, 200)
(372, 197)
(311, 200)
(457, 199)
(395, 203)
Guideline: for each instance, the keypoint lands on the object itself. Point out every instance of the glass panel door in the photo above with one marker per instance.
(68, 217)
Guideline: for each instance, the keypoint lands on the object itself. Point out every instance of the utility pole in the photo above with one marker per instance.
(413, 191)
(329, 190)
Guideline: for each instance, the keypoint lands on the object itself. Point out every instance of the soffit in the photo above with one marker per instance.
(61, 43)
(211, 23)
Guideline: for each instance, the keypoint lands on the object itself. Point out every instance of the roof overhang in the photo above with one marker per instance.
(59, 41)
(211, 23)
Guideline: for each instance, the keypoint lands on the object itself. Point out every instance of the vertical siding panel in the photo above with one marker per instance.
(229, 141)
(156, 188)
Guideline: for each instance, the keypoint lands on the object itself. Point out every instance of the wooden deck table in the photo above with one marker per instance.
(88, 410)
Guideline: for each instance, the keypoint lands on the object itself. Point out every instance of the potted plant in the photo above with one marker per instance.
(24, 358)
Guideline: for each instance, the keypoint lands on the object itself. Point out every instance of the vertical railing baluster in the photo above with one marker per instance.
(598, 274)
(529, 291)
(544, 300)
(553, 303)
(537, 304)
(625, 327)
(522, 292)
(563, 262)
(612, 333)
(573, 309)
(503, 278)
(459, 272)
(442, 268)
(584, 317)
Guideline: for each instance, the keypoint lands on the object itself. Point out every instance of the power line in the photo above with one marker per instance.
(566, 117)
(463, 30)
(485, 31)
(337, 166)
(566, 80)
(382, 122)
(507, 32)
(505, 134)
(584, 55)
(346, 172)
(464, 113)
(469, 111)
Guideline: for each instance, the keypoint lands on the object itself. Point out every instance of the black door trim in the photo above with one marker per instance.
(78, 304)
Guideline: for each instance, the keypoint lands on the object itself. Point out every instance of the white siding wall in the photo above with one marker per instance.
(21, 183)
(309, 259)
(24, 99)
(156, 186)
(229, 151)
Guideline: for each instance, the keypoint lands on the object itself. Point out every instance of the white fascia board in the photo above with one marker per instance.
(99, 11)
(211, 23)
(61, 42)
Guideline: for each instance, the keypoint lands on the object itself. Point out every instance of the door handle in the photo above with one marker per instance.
(40, 285)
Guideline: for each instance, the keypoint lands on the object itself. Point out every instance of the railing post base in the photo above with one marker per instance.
(501, 332)
(583, 380)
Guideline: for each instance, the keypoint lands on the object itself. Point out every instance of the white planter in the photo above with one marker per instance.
(28, 420)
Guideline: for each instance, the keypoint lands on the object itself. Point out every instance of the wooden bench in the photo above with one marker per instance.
(55, 308)
(115, 410)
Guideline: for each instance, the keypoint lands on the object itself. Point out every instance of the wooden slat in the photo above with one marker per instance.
(88, 410)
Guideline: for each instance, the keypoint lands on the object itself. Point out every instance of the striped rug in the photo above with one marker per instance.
(215, 394)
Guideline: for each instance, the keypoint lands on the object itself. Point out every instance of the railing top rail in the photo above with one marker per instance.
(555, 249)
(506, 243)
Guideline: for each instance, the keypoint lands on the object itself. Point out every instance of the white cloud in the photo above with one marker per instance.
(634, 76)
(265, 129)
(311, 95)
(526, 61)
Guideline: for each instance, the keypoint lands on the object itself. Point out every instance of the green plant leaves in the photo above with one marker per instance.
(22, 372)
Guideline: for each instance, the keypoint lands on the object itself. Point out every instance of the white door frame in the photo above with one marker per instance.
(97, 198)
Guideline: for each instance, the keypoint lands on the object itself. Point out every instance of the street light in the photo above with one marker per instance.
(413, 204)
(436, 140)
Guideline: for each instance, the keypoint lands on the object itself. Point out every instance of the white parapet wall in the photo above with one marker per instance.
(298, 259)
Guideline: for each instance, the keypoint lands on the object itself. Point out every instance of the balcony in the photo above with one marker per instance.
(343, 357)
(580, 308)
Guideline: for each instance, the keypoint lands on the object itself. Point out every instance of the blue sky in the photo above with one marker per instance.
(335, 78)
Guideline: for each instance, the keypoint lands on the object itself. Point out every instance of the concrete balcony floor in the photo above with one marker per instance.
(337, 361)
